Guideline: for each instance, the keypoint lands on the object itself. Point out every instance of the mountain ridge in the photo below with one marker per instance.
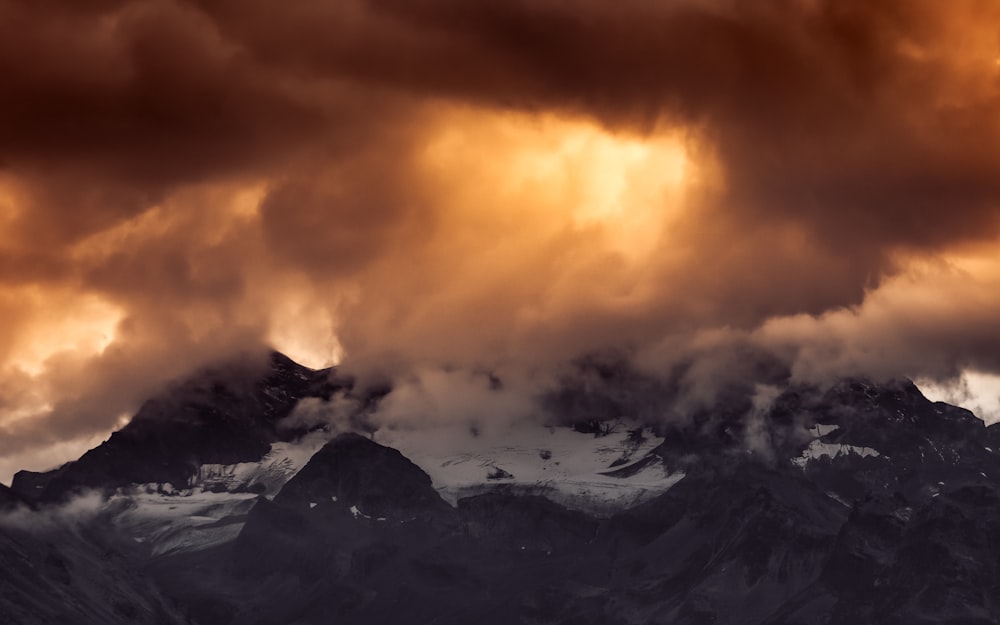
(224, 414)
(860, 502)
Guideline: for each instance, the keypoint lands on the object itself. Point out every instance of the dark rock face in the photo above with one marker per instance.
(223, 415)
(9, 499)
(368, 540)
(78, 575)
(353, 471)
(347, 494)
(355, 512)
(861, 503)
(903, 533)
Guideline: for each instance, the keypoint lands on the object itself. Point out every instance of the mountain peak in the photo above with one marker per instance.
(356, 472)
(225, 413)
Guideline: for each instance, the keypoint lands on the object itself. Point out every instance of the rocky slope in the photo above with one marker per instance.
(223, 415)
(861, 503)
(56, 569)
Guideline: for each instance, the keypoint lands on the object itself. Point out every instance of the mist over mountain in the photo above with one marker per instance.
(854, 502)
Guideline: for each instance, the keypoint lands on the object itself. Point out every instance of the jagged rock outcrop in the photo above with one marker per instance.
(222, 415)
(859, 503)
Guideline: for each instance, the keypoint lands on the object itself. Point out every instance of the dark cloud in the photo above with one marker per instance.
(335, 220)
(189, 178)
(857, 120)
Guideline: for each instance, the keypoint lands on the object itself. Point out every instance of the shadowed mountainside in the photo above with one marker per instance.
(860, 503)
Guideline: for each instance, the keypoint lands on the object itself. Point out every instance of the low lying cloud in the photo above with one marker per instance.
(80, 509)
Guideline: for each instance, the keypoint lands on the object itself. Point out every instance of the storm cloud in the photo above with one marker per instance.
(425, 190)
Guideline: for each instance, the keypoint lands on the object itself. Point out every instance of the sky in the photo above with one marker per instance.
(445, 194)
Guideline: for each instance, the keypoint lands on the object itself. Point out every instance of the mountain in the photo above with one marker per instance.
(223, 415)
(55, 570)
(857, 503)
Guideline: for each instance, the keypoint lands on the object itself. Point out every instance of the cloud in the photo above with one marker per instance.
(930, 322)
(73, 513)
(723, 194)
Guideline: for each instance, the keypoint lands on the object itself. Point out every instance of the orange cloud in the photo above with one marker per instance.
(710, 191)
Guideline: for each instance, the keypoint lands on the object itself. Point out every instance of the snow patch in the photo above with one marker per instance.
(356, 512)
(821, 429)
(180, 522)
(838, 499)
(578, 470)
(213, 507)
(818, 449)
(267, 476)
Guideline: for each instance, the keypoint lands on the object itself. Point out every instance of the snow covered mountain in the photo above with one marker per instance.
(599, 474)
(861, 503)
(224, 415)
